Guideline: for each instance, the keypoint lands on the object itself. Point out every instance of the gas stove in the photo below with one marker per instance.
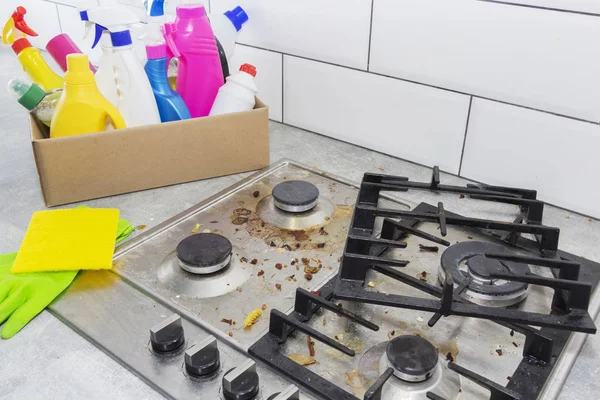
(298, 284)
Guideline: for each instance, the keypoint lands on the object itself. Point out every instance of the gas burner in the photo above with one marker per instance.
(204, 253)
(469, 266)
(417, 369)
(295, 196)
(295, 205)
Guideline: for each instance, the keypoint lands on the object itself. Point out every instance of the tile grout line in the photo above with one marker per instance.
(370, 36)
(564, 10)
(462, 153)
(282, 88)
(58, 18)
(425, 84)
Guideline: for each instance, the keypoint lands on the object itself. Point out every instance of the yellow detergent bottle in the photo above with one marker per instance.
(82, 108)
(35, 66)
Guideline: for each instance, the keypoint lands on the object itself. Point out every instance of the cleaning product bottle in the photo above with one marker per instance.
(136, 98)
(105, 75)
(199, 73)
(82, 108)
(35, 99)
(60, 46)
(35, 66)
(16, 27)
(226, 27)
(170, 104)
(238, 93)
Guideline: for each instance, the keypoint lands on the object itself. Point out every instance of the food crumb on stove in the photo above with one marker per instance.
(420, 319)
(197, 228)
(239, 220)
(285, 265)
(499, 351)
(339, 336)
(512, 333)
(324, 321)
(239, 289)
(287, 247)
(567, 216)
(379, 169)
(230, 334)
(339, 258)
(469, 237)
(449, 357)
(422, 276)
(305, 261)
(243, 259)
(297, 245)
(515, 344)
(264, 306)
(320, 245)
(272, 244)
(252, 317)
(278, 266)
(256, 193)
(589, 220)
(141, 227)
(391, 334)
(309, 269)
(330, 268)
(293, 262)
(311, 346)
(323, 232)
(254, 261)
(308, 276)
(302, 359)
(260, 273)
(316, 292)
(227, 321)
(206, 231)
(291, 278)
(385, 311)
(508, 378)
(371, 284)
(278, 286)
(432, 249)
(214, 222)
(462, 196)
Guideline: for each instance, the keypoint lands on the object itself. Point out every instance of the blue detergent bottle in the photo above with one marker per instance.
(171, 106)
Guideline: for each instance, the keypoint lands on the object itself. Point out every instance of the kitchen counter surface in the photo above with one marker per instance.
(48, 360)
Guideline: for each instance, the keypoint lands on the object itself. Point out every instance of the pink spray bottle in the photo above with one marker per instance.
(191, 39)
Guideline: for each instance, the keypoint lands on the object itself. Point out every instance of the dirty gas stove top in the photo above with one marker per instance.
(286, 287)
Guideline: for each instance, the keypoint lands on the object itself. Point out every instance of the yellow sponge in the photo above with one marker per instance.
(67, 240)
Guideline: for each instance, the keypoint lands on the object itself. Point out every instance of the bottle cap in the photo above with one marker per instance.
(28, 94)
(78, 70)
(20, 44)
(122, 38)
(237, 16)
(154, 52)
(191, 11)
(249, 69)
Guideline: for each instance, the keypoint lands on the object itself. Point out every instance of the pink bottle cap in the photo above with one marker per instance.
(60, 47)
(156, 51)
(191, 11)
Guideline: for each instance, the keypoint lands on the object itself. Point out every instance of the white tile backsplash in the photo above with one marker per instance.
(268, 75)
(589, 6)
(403, 119)
(512, 146)
(336, 31)
(542, 59)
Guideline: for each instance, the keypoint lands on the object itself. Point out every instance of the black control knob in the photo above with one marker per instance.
(167, 336)
(241, 383)
(203, 358)
(290, 393)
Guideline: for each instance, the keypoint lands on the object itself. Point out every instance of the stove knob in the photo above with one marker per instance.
(203, 358)
(167, 336)
(241, 383)
(290, 393)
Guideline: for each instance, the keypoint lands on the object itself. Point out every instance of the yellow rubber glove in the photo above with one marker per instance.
(24, 296)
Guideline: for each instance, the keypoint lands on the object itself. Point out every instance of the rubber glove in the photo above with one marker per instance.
(24, 296)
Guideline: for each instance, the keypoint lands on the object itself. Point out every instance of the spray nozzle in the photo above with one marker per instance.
(155, 8)
(16, 27)
(83, 15)
(168, 30)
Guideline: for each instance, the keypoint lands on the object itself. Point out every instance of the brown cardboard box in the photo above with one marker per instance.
(102, 164)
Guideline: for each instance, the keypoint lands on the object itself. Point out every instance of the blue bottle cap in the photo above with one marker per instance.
(122, 38)
(237, 16)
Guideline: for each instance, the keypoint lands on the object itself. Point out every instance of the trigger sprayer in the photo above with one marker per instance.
(156, 18)
(16, 27)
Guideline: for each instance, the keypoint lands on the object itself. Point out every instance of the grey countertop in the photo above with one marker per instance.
(47, 360)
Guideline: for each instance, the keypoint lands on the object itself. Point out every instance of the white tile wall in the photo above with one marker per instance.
(268, 75)
(403, 119)
(542, 59)
(41, 16)
(508, 145)
(75, 28)
(590, 6)
(336, 31)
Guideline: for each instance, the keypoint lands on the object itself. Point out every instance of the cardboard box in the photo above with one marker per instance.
(84, 167)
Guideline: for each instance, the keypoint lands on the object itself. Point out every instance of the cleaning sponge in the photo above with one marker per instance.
(67, 240)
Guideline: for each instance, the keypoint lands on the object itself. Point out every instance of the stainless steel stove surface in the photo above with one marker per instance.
(174, 306)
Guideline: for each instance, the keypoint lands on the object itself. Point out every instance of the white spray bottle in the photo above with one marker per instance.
(136, 98)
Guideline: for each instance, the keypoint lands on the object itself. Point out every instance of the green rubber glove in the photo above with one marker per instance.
(24, 296)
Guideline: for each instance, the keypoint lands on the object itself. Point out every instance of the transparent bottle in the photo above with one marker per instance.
(35, 99)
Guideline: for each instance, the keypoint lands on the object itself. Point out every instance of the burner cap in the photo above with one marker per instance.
(412, 357)
(204, 253)
(295, 196)
(483, 289)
